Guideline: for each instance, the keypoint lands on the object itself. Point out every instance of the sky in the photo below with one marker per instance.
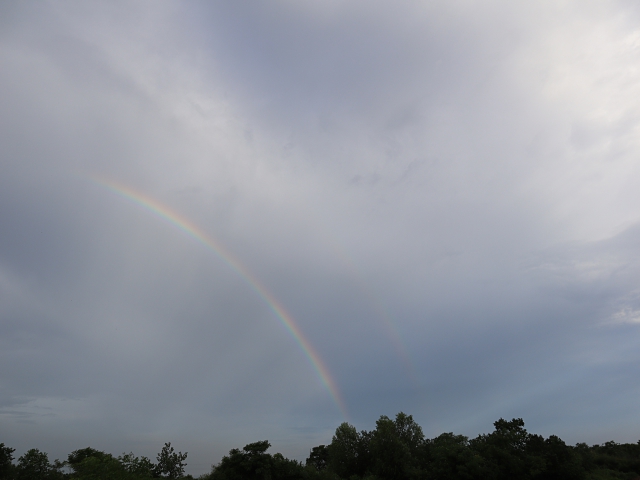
(223, 222)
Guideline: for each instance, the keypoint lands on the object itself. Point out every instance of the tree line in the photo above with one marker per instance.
(91, 464)
(395, 450)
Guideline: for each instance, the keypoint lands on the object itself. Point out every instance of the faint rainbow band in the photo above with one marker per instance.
(196, 232)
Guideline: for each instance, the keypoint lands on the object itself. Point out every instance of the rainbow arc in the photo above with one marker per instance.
(194, 231)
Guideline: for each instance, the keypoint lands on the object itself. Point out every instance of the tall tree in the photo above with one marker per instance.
(254, 463)
(395, 446)
(91, 464)
(505, 450)
(318, 457)
(449, 457)
(139, 467)
(561, 462)
(6, 462)
(348, 451)
(35, 465)
(79, 455)
(170, 463)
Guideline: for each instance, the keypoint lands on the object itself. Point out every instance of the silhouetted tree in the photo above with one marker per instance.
(348, 451)
(139, 467)
(6, 462)
(35, 465)
(449, 457)
(395, 447)
(614, 457)
(77, 456)
(91, 464)
(505, 450)
(394, 450)
(170, 464)
(318, 457)
(561, 462)
(254, 463)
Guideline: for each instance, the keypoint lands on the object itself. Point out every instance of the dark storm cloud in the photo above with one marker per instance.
(444, 198)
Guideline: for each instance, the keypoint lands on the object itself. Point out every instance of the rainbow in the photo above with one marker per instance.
(382, 311)
(196, 232)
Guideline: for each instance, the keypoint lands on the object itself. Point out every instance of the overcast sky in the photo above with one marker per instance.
(443, 196)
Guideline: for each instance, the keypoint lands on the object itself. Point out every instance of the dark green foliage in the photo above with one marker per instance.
(6, 462)
(77, 456)
(349, 451)
(394, 450)
(318, 458)
(170, 464)
(561, 462)
(91, 464)
(505, 451)
(138, 467)
(512, 453)
(100, 468)
(395, 447)
(449, 457)
(35, 465)
(254, 463)
(614, 460)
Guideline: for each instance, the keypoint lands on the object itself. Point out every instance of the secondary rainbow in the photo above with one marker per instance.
(196, 232)
(393, 335)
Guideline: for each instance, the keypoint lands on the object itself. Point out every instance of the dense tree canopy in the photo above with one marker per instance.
(254, 463)
(395, 450)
